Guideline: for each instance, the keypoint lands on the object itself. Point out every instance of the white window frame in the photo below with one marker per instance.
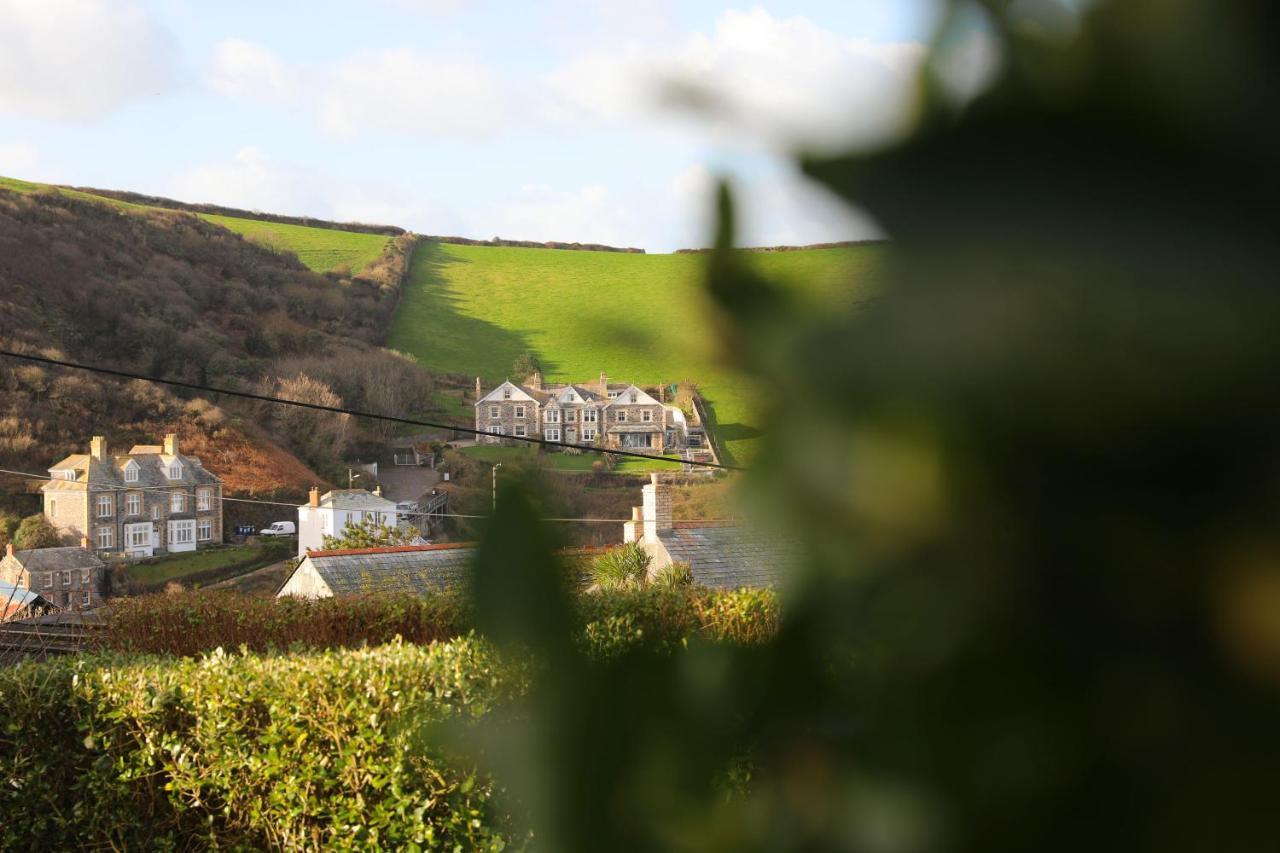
(49, 582)
(519, 411)
(588, 433)
(177, 502)
(133, 504)
(84, 598)
(204, 530)
(131, 473)
(646, 416)
(553, 416)
(613, 395)
(495, 429)
(66, 576)
(131, 536)
(182, 532)
(174, 471)
(570, 416)
(620, 416)
(155, 512)
(591, 416)
(105, 506)
(506, 393)
(494, 413)
(106, 538)
(521, 430)
(204, 500)
(86, 575)
(635, 398)
(552, 434)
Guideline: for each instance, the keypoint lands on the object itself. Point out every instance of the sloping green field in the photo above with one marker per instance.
(321, 249)
(641, 318)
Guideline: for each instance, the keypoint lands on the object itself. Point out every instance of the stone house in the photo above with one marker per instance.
(719, 554)
(151, 500)
(68, 578)
(611, 415)
(415, 569)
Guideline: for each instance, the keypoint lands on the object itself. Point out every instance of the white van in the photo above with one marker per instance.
(280, 528)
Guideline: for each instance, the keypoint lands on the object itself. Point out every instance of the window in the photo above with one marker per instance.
(204, 530)
(131, 473)
(613, 395)
(520, 430)
(493, 411)
(635, 398)
(620, 416)
(175, 471)
(104, 506)
(86, 576)
(155, 512)
(64, 475)
(48, 581)
(570, 416)
(178, 502)
(66, 577)
(137, 536)
(106, 537)
(84, 598)
(519, 411)
(506, 393)
(553, 434)
(53, 507)
(553, 416)
(646, 416)
(590, 416)
(495, 429)
(133, 504)
(202, 500)
(182, 533)
(588, 434)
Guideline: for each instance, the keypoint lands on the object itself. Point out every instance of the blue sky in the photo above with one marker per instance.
(522, 120)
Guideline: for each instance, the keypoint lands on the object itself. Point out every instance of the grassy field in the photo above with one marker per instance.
(180, 565)
(566, 462)
(642, 318)
(321, 249)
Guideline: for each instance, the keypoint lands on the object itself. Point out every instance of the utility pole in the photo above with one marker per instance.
(495, 486)
(351, 479)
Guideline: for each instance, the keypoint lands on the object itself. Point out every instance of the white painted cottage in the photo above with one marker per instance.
(328, 514)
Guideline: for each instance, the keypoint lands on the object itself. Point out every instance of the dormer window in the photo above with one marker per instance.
(613, 395)
(131, 473)
(175, 470)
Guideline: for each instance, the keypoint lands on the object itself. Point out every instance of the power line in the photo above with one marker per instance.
(195, 386)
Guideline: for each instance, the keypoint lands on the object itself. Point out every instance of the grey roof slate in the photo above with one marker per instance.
(57, 559)
(109, 472)
(418, 571)
(727, 557)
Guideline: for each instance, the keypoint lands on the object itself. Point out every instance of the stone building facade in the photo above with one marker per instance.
(68, 578)
(618, 415)
(151, 500)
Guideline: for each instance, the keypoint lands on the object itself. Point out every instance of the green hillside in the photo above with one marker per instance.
(643, 318)
(320, 249)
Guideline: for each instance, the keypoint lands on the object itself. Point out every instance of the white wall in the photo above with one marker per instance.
(305, 582)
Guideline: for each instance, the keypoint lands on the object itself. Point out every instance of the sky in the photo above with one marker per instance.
(605, 121)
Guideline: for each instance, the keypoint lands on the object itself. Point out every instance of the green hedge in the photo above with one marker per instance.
(195, 622)
(327, 750)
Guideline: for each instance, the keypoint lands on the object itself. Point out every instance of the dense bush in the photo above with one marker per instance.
(201, 621)
(330, 750)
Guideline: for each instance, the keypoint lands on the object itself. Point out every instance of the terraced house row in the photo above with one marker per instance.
(614, 415)
(151, 500)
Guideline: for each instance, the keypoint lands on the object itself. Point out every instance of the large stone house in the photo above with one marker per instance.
(611, 415)
(151, 500)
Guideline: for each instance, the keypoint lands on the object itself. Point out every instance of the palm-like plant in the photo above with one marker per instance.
(626, 567)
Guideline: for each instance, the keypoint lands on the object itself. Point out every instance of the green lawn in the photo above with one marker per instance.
(179, 565)
(641, 318)
(565, 461)
(320, 249)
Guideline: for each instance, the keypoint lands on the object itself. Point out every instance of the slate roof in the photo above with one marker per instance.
(356, 499)
(109, 472)
(18, 597)
(57, 559)
(409, 568)
(722, 556)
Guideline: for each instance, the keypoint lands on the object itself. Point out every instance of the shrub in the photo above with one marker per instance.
(320, 751)
(35, 531)
(624, 567)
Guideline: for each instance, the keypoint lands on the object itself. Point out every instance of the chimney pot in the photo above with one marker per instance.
(313, 499)
(171, 444)
(84, 542)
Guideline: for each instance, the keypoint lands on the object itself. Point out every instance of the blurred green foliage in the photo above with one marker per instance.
(1035, 478)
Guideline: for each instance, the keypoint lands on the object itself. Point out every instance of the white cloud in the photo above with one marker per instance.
(75, 60)
(408, 92)
(247, 70)
(787, 82)
(590, 214)
(25, 161)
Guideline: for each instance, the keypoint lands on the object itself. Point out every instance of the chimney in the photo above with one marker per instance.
(8, 549)
(84, 542)
(657, 508)
(313, 499)
(479, 393)
(171, 444)
(98, 448)
(377, 490)
(604, 384)
(535, 380)
(633, 529)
